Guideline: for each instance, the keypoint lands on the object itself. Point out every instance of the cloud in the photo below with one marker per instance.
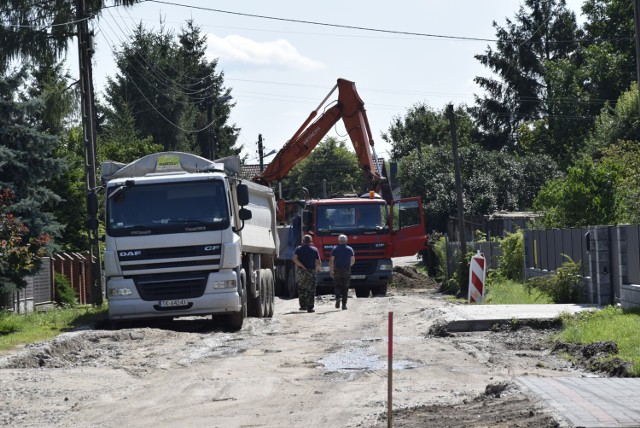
(277, 53)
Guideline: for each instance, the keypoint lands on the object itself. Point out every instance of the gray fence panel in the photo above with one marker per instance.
(540, 256)
(567, 248)
(633, 254)
(578, 252)
(42, 283)
(614, 263)
(552, 250)
(543, 247)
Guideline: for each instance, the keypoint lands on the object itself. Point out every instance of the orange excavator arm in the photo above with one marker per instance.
(350, 108)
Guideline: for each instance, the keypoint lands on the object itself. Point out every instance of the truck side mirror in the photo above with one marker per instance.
(307, 217)
(245, 214)
(242, 192)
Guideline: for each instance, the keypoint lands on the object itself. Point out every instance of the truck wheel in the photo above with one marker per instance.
(256, 304)
(264, 292)
(379, 291)
(362, 292)
(291, 283)
(233, 322)
(270, 293)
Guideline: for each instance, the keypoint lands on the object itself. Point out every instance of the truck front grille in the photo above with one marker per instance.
(181, 285)
(199, 257)
(374, 249)
(364, 267)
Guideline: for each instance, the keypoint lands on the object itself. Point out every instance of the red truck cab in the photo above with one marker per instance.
(375, 229)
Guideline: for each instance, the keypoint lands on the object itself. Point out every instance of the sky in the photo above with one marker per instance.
(279, 71)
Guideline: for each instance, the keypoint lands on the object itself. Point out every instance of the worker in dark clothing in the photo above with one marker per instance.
(340, 262)
(307, 258)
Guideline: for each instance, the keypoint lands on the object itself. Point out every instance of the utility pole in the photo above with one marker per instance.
(456, 164)
(636, 14)
(261, 152)
(85, 50)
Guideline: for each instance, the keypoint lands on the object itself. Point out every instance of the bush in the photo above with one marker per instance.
(440, 250)
(65, 294)
(511, 261)
(562, 286)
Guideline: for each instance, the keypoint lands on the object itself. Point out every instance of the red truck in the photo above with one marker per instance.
(377, 226)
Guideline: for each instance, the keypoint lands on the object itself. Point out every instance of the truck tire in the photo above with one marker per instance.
(233, 322)
(380, 290)
(257, 304)
(292, 286)
(270, 292)
(362, 292)
(264, 291)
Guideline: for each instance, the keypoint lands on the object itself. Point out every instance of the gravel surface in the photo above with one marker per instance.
(323, 369)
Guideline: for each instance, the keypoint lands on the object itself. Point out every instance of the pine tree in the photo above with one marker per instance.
(542, 31)
(26, 166)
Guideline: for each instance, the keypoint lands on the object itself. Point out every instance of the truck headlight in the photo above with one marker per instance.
(120, 292)
(229, 283)
(386, 266)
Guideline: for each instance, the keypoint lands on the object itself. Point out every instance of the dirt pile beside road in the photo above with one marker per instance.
(408, 277)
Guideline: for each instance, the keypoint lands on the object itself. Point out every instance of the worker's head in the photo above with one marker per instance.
(306, 239)
(342, 239)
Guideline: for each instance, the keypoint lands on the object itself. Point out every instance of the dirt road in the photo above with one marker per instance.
(326, 369)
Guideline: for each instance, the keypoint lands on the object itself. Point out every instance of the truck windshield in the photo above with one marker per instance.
(177, 207)
(366, 219)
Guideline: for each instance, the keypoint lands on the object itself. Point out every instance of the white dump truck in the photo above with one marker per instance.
(186, 236)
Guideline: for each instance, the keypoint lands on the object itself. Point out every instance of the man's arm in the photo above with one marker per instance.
(353, 260)
(331, 259)
(297, 262)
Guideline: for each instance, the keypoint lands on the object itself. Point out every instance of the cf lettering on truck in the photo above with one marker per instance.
(186, 236)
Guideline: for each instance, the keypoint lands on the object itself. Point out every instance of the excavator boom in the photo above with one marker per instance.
(350, 108)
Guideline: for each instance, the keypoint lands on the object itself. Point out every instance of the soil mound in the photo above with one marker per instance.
(409, 277)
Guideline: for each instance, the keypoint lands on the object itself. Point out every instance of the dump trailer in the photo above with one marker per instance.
(186, 236)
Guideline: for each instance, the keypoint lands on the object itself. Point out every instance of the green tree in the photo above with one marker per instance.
(27, 158)
(608, 53)
(424, 126)
(617, 123)
(331, 161)
(19, 249)
(120, 140)
(40, 30)
(541, 31)
(71, 211)
(624, 157)
(585, 197)
(172, 92)
(492, 181)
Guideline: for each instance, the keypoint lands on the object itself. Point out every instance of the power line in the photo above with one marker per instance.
(324, 24)
(371, 29)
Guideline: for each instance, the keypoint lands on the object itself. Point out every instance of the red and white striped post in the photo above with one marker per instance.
(390, 374)
(477, 271)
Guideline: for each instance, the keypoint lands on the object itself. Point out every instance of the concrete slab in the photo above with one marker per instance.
(458, 318)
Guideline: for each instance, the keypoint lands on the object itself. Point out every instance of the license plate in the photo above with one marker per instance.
(358, 276)
(173, 303)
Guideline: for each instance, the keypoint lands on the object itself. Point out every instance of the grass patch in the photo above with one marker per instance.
(609, 324)
(17, 329)
(507, 292)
